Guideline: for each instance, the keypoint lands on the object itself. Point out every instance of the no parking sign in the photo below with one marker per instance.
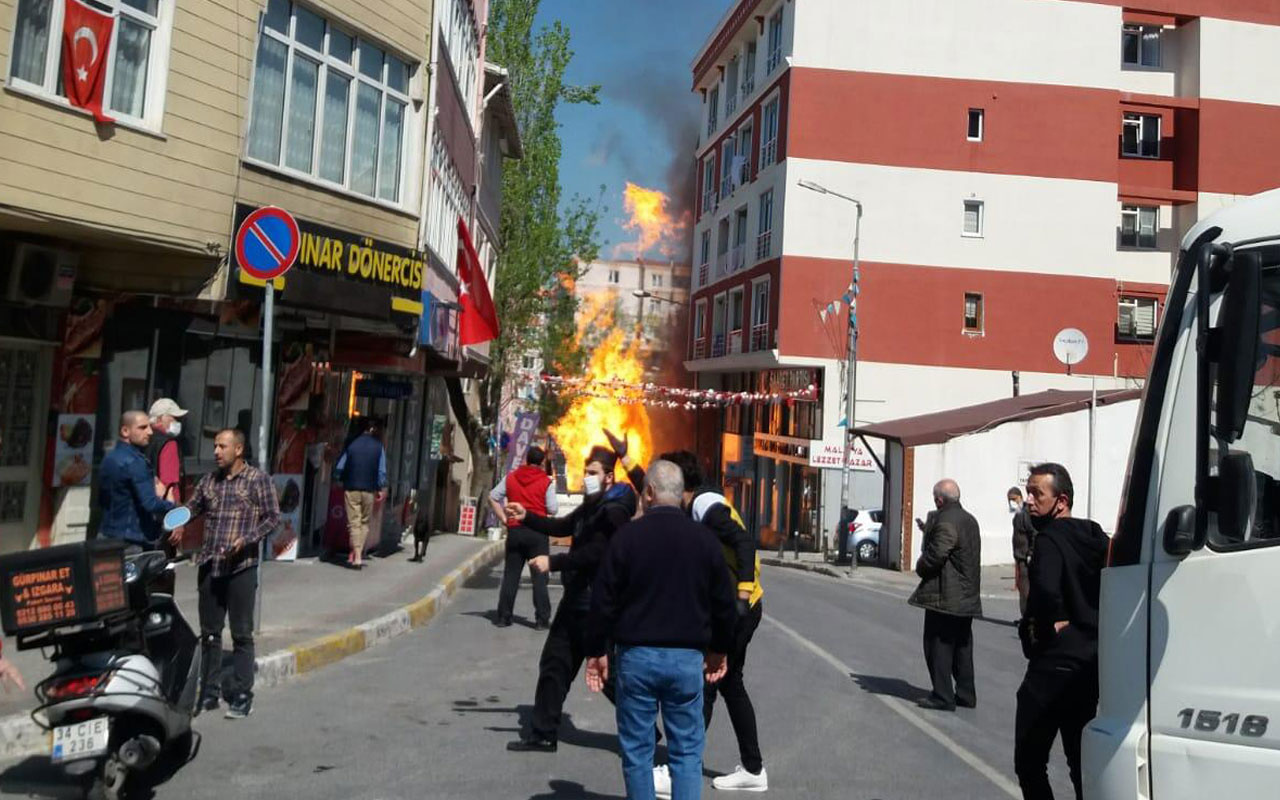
(267, 243)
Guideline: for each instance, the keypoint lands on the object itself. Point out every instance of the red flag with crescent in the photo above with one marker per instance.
(478, 321)
(86, 38)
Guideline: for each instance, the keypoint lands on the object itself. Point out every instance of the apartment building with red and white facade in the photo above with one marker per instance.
(1024, 166)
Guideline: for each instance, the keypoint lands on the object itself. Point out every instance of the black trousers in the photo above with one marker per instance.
(741, 713)
(948, 652)
(222, 598)
(1052, 700)
(562, 657)
(522, 545)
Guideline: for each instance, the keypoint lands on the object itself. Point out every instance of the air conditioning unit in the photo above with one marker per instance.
(42, 276)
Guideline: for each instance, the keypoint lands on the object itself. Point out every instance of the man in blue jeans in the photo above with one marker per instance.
(131, 505)
(663, 596)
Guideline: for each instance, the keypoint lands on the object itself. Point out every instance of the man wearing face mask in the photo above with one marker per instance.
(164, 453)
(605, 508)
(1024, 535)
(1060, 691)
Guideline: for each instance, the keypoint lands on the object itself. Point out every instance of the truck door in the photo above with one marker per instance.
(1213, 661)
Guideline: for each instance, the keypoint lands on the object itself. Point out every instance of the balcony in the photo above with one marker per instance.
(704, 274)
(768, 152)
(726, 184)
(712, 124)
(749, 83)
(717, 345)
(722, 264)
(764, 246)
(737, 258)
(775, 58)
(709, 200)
(760, 337)
(730, 104)
(735, 342)
(700, 349)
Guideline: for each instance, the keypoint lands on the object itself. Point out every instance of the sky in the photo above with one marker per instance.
(645, 128)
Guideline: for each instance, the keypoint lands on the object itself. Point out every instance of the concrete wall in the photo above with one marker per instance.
(987, 464)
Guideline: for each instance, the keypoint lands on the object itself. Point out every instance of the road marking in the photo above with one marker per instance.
(981, 767)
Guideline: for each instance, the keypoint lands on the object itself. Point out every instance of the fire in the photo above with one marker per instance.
(651, 222)
(617, 356)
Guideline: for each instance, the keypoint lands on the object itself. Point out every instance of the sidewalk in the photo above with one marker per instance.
(997, 580)
(308, 599)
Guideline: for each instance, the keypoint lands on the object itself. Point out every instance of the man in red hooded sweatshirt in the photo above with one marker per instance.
(531, 487)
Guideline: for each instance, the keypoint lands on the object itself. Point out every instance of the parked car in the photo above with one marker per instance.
(864, 533)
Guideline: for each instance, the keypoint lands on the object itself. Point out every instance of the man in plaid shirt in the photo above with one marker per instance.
(241, 509)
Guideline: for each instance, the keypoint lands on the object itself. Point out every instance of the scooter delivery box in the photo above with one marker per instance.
(63, 585)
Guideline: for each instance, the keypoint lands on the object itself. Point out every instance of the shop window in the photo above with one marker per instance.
(328, 105)
(137, 55)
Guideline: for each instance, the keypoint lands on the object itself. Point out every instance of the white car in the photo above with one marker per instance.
(864, 533)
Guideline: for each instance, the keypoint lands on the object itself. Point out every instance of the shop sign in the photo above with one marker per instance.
(782, 448)
(826, 455)
(778, 381)
(383, 388)
(343, 254)
(521, 438)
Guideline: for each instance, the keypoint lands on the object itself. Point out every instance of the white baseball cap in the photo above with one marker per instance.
(166, 407)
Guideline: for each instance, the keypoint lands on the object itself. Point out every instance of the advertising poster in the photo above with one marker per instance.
(73, 451)
(467, 521)
(283, 544)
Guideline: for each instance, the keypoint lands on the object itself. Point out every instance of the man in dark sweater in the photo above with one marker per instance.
(1059, 694)
(605, 508)
(664, 597)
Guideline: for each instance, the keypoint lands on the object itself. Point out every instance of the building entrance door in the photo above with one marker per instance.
(24, 396)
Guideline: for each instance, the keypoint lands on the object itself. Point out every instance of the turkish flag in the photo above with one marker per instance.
(478, 321)
(86, 37)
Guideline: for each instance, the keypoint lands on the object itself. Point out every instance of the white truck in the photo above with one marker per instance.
(1189, 636)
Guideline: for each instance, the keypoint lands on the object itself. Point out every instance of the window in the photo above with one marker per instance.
(972, 312)
(975, 124)
(973, 214)
(615, 276)
(749, 70)
(713, 109)
(775, 43)
(527, 362)
(699, 320)
(705, 259)
(137, 57)
(1138, 226)
(1141, 136)
(769, 134)
(743, 149)
(731, 88)
(462, 46)
(328, 105)
(1136, 318)
(764, 237)
(1141, 45)
(726, 169)
(760, 315)
(709, 185)
(735, 310)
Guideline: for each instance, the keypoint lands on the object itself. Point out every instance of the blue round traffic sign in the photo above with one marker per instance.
(267, 243)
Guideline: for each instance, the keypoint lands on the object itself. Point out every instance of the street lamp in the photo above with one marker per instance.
(851, 365)
(646, 295)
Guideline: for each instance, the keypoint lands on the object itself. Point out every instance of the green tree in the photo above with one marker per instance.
(543, 237)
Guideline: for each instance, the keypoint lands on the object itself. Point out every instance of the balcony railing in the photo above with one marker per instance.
(760, 337)
(775, 58)
(726, 184)
(717, 345)
(709, 200)
(735, 342)
(730, 104)
(737, 258)
(700, 349)
(768, 152)
(722, 264)
(704, 274)
(764, 245)
(712, 123)
(749, 83)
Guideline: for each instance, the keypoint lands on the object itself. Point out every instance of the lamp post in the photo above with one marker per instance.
(851, 363)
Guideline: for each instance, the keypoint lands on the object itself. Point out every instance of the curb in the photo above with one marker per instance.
(20, 736)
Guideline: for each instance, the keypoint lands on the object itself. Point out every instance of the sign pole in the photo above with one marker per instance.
(264, 422)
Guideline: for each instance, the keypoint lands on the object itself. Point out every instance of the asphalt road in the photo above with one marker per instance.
(834, 672)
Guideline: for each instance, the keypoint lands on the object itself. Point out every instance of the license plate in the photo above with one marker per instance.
(81, 740)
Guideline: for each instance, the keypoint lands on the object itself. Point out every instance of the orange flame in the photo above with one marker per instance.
(617, 356)
(652, 223)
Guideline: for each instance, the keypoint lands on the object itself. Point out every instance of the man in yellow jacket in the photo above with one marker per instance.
(713, 510)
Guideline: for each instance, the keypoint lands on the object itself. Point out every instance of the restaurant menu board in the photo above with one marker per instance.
(108, 584)
(43, 596)
(73, 451)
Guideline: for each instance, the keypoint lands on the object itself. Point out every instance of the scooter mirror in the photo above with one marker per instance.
(176, 518)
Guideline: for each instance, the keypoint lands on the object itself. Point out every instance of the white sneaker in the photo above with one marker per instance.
(742, 781)
(662, 781)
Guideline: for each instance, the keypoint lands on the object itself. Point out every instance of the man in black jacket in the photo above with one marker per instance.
(605, 508)
(950, 570)
(664, 597)
(1059, 694)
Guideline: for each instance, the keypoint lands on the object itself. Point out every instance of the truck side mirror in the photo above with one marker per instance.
(1237, 346)
(1235, 497)
(1180, 531)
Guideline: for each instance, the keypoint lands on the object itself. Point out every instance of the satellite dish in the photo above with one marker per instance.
(176, 518)
(1070, 346)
